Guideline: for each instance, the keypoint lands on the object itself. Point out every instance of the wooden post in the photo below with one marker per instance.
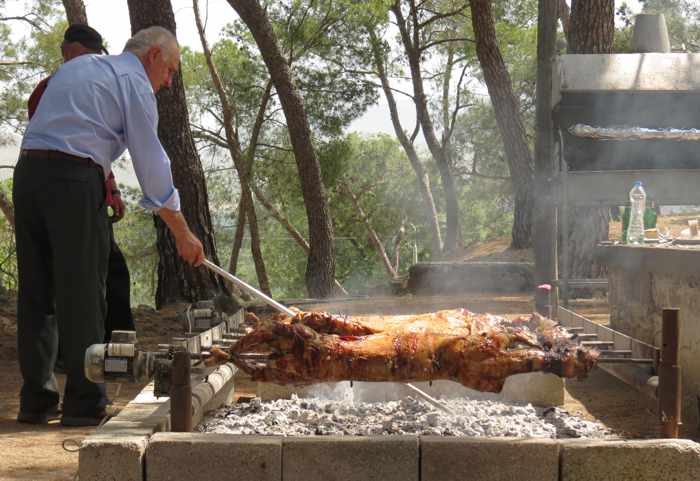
(670, 395)
(544, 215)
(181, 394)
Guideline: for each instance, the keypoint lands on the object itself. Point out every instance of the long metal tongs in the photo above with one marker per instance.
(285, 310)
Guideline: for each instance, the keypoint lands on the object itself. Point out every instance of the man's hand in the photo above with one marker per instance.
(188, 246)
(117, 206)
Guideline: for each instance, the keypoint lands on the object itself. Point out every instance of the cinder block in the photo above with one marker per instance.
(268, 391)
(351, 458)
(537, 388)
(117, 428)
(221, 457)
(471, 276)
(647, 460)
(489, 459)
(112, 458)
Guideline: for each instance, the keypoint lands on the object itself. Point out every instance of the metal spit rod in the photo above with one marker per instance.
(247, 287)
(285, 310)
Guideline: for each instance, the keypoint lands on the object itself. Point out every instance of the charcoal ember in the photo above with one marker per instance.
(346, 416)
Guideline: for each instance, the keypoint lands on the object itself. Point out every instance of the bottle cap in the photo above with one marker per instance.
(638, 183)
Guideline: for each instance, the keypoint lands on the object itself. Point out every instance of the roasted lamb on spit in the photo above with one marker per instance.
(477, 350)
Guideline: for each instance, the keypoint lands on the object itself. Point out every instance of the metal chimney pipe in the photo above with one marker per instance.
(650, 34)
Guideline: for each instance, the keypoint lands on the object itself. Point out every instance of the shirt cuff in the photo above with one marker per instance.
(171, 203)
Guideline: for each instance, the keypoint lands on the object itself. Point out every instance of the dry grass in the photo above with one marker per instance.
(497, 250)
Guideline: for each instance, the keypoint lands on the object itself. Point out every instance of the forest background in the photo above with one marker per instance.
(348, 58)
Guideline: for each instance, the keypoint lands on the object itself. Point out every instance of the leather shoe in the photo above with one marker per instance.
(43, 417)
(75, 421)
(59, 367)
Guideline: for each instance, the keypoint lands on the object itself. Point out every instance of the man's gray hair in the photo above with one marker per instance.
(144, 39)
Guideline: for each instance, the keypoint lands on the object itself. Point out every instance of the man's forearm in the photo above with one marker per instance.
(188, 246)
(175, 221)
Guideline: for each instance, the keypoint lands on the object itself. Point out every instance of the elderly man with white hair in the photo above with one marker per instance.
(94, 108)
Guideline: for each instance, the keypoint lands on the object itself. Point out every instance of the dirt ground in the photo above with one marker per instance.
(49, 453)
(38, 453)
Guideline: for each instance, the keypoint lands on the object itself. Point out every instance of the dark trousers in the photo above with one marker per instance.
(62, 236)
(119, 316)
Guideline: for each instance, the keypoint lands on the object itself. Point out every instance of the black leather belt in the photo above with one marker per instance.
(55, 154)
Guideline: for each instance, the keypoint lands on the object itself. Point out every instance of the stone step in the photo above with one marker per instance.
(597, 343)
(616, 353)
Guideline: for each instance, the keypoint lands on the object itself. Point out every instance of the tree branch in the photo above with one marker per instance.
(11, 63)
(275, 147)
(426, 46)
(458, 107)
(381, 251)
(439, 16)
(201, 133)
(24, 18)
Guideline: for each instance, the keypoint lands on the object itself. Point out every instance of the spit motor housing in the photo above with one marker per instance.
(118, 360)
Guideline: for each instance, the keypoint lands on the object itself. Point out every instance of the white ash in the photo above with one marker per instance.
(474, 418)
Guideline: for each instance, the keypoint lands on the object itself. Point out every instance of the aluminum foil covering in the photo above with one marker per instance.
(633, 133)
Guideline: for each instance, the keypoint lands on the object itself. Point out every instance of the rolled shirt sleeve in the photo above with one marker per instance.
(151, 163)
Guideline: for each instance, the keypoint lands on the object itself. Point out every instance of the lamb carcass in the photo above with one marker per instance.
(477, 350)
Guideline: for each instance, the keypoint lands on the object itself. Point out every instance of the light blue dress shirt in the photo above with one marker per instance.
(97, 106)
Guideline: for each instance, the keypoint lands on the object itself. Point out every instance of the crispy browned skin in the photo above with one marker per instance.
(477, 350)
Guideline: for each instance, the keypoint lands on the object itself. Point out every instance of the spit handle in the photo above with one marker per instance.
(248, 288)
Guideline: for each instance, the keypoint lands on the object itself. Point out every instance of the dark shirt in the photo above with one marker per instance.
(34, 98)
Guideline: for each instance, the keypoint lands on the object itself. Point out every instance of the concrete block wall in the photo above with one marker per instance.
(636, 303)
(116, 451)
(472, 276)
(473, 459)
(535, 388)
(184, 457)
(650, 460)
(373, 458)
(112, 458)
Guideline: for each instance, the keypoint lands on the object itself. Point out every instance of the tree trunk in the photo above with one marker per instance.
(239, 162)
(592, 26)
(8, 209)
(422, 179)
(291, 230)
(238, 236)
(75, 11)
(255, 249)
(410, 37)
(592, 31)
(508, 118)
(284, 222)
(565, 18)
(177, 281)
(320, 269)
(374, 238)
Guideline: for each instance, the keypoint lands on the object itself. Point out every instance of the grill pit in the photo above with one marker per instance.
(345, 414)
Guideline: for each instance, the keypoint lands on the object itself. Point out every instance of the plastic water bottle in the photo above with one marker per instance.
(638, 200)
